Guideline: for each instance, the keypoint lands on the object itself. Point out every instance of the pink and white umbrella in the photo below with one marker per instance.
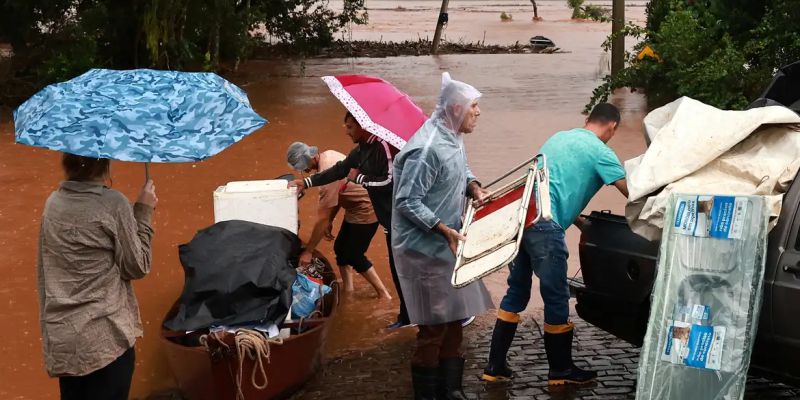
(378, 107)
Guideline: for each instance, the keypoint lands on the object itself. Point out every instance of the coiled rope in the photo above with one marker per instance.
(252, 345)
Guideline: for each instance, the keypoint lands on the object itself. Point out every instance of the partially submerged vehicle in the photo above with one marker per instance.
(541, 43)
(619, 269)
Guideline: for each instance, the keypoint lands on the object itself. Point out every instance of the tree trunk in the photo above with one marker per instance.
(137, 38)
(535, 10)
(245, 36)
(180, 47)
(215, 49)
(618, 43)
(216, 32)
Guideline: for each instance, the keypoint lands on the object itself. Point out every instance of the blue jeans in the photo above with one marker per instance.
(543, 252)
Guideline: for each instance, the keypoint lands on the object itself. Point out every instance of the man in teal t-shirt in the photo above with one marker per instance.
(580, 163)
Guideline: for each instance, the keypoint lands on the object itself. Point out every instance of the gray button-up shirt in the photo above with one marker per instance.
(91, 245)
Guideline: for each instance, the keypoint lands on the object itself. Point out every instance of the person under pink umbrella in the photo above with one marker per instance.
(359, 223)
(380, 119)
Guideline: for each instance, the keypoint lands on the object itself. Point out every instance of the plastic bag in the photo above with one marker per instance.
(305, 294)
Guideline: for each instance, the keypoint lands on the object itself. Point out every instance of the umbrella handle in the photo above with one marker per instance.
(146, 172)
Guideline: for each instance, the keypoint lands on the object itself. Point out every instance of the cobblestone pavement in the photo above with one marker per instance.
(383, 372)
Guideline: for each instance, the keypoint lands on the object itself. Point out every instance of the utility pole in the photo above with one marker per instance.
(439, 26)
(618, 44)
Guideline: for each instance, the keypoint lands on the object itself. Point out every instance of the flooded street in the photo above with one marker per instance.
(526, 99)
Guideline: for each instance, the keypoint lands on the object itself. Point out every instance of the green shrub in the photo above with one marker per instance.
(718, 53)
(596, 13)
(589, 11)
(575, 6)
(56, 40)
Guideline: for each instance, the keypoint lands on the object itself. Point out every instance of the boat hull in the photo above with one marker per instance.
(200, 376)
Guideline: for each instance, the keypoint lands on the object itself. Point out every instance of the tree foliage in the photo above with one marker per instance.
(589, 11)
(721, 52)
(54, 40)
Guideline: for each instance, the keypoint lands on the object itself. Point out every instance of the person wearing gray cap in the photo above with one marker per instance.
(369, 164)
(359, 225)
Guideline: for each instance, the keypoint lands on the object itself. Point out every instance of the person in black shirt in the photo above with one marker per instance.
(368, 164)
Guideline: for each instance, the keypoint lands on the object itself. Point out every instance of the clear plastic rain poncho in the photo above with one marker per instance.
(431, 177)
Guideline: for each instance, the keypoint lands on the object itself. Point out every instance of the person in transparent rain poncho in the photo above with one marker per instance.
(432, 184)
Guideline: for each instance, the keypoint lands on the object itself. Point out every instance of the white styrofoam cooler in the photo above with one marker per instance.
(264, 202)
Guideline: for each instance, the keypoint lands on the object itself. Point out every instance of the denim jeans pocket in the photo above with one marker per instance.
(542, 240)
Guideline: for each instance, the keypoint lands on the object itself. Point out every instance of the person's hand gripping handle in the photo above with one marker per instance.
(148, 194)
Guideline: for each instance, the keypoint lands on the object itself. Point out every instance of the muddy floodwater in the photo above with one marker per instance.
(526, 99)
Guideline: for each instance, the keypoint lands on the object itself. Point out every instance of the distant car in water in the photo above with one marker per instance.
(541, 42)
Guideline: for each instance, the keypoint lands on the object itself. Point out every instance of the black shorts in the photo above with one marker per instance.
(351, 244)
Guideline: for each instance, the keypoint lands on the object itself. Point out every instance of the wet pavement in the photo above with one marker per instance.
(382, 372)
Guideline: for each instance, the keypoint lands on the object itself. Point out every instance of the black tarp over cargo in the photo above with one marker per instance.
(236, 272)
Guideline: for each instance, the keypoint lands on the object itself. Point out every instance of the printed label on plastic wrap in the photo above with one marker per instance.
(721, 217)
(698, 346)
(705, 347)
(701, 312)
(677, 339)
(698, 312)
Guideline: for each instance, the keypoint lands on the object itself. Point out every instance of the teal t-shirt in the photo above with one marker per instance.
(580, 164)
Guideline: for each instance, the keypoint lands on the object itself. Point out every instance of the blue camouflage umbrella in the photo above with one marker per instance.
(138, 115)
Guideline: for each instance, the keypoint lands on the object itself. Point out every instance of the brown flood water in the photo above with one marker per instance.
(526, 99)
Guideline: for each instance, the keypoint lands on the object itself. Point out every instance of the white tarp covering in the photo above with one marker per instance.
(698, 148)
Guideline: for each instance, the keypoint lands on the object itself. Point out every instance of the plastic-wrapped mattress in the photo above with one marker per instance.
(706, 299)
